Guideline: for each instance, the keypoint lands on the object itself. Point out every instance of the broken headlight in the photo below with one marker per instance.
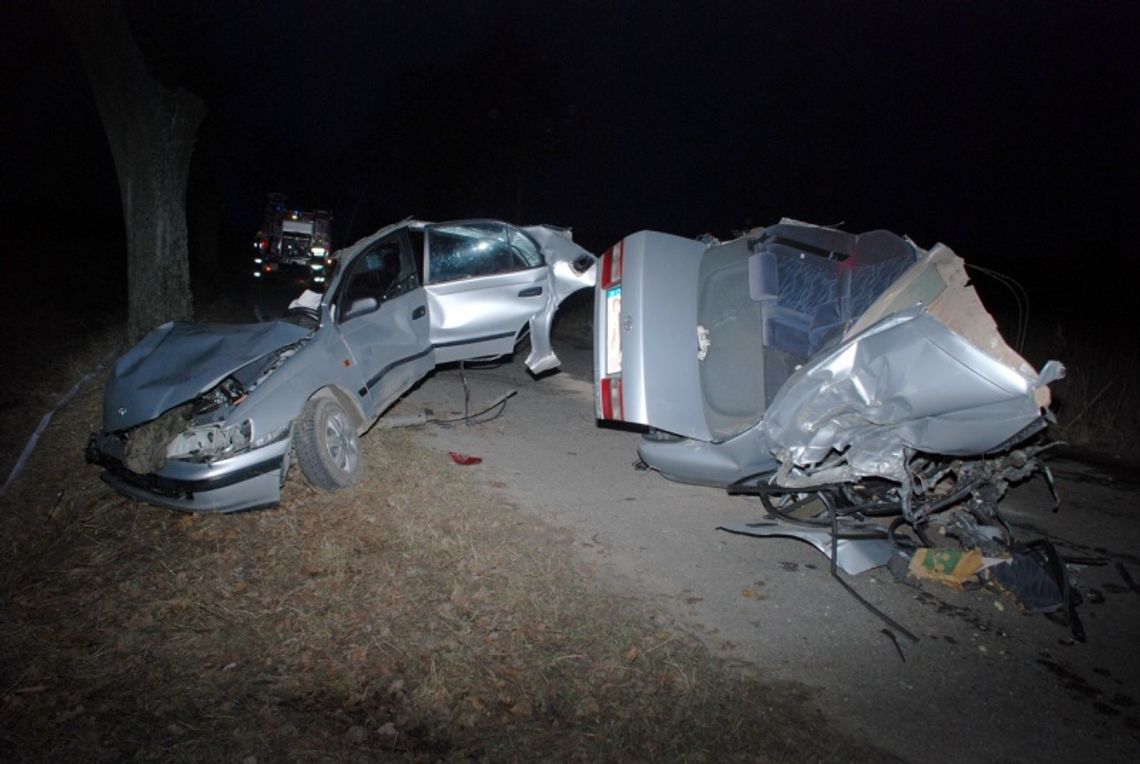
(208, 442)
(227, 392)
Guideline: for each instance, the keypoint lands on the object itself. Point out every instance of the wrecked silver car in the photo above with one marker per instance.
(799, 356)
(805, 353)
(209, 417)
(854, 384)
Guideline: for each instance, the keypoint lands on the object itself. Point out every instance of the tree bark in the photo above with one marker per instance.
(151, 129)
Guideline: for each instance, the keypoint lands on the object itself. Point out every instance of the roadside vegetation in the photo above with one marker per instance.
(1098, 402)
(412, 617)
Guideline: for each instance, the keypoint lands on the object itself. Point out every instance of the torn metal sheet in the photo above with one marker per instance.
(854, 556)
(934, 376)
(804, 353)
(571, 268)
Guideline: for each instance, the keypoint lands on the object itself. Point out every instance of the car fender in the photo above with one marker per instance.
(564, 278)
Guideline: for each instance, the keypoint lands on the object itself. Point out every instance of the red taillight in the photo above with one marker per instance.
(609, 279)
(611, 265)
(611, 398)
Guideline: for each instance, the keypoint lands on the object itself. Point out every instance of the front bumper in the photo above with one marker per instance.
(245, 481)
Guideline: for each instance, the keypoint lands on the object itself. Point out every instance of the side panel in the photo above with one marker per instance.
(481, 316)
(390, 347)
(568, 274)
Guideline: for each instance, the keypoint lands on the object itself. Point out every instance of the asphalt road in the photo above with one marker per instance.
(982, 683)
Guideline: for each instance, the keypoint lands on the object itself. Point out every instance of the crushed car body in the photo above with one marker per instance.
(854, 384)
(209, 417)
(804, 354)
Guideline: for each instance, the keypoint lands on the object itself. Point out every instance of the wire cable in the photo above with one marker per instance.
(835, 574)
(1020, 295)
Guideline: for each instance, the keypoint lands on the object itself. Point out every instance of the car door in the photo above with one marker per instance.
(485, 281)
(382, 315)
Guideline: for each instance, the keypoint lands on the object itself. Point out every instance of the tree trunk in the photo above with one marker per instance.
(151, 129)
(204, 214)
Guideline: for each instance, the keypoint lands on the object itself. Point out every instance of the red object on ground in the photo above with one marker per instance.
(464, 459)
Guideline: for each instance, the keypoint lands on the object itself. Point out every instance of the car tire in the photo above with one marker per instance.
(328, 449)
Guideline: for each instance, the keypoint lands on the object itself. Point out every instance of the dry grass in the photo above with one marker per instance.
(412, 617)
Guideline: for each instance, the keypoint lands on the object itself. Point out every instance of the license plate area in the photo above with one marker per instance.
(613, 330)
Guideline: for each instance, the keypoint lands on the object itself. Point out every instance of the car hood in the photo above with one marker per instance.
(178, 361)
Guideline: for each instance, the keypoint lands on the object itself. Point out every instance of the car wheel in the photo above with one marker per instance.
(327, 447)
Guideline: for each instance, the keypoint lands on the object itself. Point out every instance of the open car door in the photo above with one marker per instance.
(485, 281)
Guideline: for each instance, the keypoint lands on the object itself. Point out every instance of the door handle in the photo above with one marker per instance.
(419, 312)
(533, 291)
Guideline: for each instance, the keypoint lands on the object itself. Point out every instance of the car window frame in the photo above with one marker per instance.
(406, 279)
(510, 235)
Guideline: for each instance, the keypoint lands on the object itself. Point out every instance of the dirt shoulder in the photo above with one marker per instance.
(413, 617)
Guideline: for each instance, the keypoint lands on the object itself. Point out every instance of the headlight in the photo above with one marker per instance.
(208, 442)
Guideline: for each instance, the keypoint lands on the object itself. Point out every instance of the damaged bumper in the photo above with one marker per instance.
(246, 481)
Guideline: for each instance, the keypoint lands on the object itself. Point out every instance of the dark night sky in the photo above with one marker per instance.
(1008, 130)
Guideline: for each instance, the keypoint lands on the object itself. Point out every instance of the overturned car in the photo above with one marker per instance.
(798, 360)
(209, 417)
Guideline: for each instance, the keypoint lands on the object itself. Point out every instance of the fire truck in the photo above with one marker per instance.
(292, 241)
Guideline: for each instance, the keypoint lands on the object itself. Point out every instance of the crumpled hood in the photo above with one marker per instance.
(177, 361)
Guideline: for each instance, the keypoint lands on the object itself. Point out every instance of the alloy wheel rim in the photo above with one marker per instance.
(341, 442)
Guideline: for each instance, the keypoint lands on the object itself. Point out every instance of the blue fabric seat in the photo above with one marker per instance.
(809, 299)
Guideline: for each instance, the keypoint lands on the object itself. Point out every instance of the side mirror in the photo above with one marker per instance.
(360, 307)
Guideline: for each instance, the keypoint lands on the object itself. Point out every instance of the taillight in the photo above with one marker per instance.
(611, 265)
(611, 398)
(609, 401)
